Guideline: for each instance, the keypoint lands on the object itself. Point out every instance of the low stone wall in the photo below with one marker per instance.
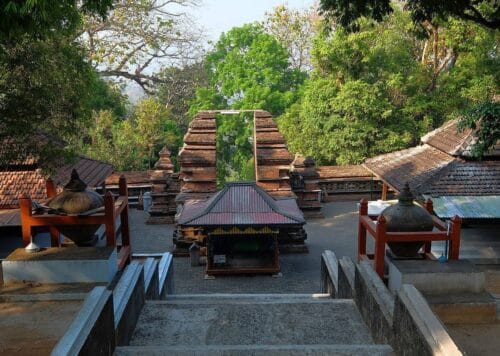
(329, 274)
(151, 279)
(419, 331)
(128, 300)
(166, 280)
(346, 278)
(375, 302)
(405, 321)
(92, 331)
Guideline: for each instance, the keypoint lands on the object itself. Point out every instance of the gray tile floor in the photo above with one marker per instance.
(301, 272)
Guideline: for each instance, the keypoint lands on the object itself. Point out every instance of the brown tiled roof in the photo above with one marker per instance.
(448, 139)
(10, 217)
(132, 177)
(15, 183)
(32, 181)
(467, 178)
(416, 165)
(336, 172)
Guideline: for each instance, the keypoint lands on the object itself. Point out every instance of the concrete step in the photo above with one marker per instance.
(246, 298)
(459, 308)
(256, 350)
(250, 320)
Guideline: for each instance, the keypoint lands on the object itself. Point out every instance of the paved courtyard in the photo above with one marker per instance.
(301, 272)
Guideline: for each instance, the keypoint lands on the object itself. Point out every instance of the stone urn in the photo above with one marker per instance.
(77, 199)
(405, 216)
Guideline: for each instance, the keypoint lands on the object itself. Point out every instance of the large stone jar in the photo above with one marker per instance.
(406, 216)
(77, 199)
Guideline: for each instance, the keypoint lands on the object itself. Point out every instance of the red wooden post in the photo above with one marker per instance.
(50, 188)
(363, 211)
(122, 188)
(429, 206)
(52, 192)
(455, 229)
(384, 191)
(25, 207)
(380, 245)
(109, 211)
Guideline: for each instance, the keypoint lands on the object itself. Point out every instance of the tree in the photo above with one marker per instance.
(373, 91)
(179, 90)
(132, 143)
(46, 18)
(248, 69)
(294, 30)
(484, 119)
(139, 38)
(45, 84)
(348, 13)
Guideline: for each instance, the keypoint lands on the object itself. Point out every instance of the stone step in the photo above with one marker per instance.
(222, 298)
(256, 350)
(460, 308)
(250, 320)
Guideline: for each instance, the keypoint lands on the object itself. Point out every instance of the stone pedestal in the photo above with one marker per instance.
(305, 184)
(61, 265)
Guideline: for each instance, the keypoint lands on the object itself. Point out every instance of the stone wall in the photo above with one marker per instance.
(405, 321)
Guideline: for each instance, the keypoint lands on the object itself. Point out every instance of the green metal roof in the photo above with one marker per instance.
(467, 207)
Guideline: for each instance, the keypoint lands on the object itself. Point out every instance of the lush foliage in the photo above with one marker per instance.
(132, 144)
(373, 91)
(234, 148)
(484, 119)
(46, 87)
(248, 69)
(348, 14)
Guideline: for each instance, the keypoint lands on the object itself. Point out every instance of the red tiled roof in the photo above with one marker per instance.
(132, 177)
(13, 183)
(416, 165)
(241, 203)
(335, 172)
(448, 139)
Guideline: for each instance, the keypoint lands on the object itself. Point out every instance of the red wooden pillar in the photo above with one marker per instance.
(380, 245)
(429, 206)
(363, 211)
(109, 211)
(455, 230)
(25, 208)
(54, 233)
(384, 191)
(122, 188)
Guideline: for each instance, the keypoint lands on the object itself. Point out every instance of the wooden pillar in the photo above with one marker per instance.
(25, 209)
(380, 245)
(109, 211)
(50, 188)
(384, 191)
(363, 211)
(429, 206)
(122, 188)
(455, 230)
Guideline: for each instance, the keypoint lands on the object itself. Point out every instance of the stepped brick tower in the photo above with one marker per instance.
(164, 189)
(198, 159)
(272, 158)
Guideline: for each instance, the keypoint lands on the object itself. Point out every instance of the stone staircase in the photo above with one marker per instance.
(251, 324)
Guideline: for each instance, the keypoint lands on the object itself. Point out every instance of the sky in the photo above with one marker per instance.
(218, 16)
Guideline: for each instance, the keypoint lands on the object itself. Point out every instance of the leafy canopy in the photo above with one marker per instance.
(348, 14)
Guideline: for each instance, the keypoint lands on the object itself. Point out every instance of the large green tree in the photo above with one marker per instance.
(45, 85)
(249, 69)
(375, 91)
(348, 13)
